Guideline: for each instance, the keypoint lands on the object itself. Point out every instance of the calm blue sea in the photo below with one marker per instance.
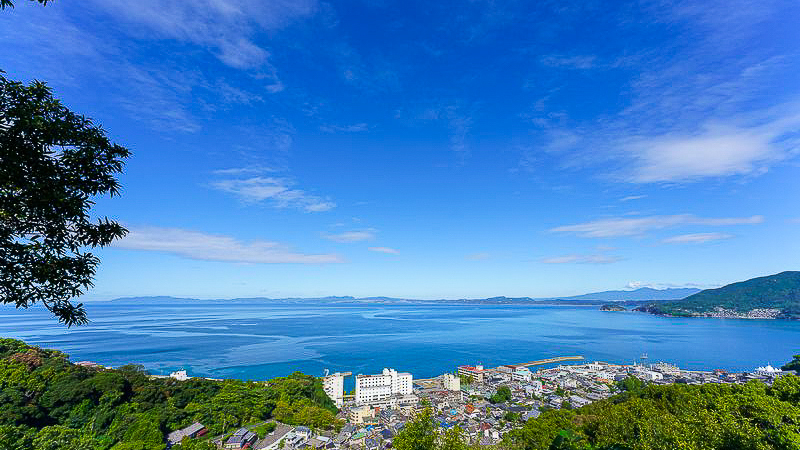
(257, 339)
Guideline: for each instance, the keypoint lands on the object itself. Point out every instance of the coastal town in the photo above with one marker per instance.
(485, 403)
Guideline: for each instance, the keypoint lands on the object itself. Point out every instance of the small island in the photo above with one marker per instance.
(611, 307)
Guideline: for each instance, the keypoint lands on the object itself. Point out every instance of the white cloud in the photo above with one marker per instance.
(633, 226)
(277, 190)
(639, 284)
(570, 62)
(242, 170)
(696, 238)
(209, 247)
(718, 152)
(225, 27)
(456, 116)
(709, 107)
(355, 128)
(581, 259)
(384, 250)
(352, 236)
(632, 197)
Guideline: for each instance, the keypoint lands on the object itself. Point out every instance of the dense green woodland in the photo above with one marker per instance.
(48, 403)
(713, 416)
(779, 291)
(681, 417)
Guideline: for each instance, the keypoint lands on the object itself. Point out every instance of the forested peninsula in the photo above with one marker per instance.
(770, 297)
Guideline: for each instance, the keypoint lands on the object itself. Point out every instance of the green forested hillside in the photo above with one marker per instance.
(780, 291)
(753, 416)
(48, 403)
(706, 417)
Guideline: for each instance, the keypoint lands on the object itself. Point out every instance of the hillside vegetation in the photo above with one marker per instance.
(48, 403)
(780, 291)
(708, 417)
(753, 416)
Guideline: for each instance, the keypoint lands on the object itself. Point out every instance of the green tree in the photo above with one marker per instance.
(418, 434)
(53, 162)
(6, 3)
(794, 364)
(630, 384)
(502, 395)
(195, 444)
(452, 439)
(61, 438)
(567, 440)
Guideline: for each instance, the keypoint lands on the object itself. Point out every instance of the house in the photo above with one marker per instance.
(192, 431)
(319, 442)
(577, 401)
(294, 440)
(180, 375)
(532, 414)
(272, 440)
(240, 439)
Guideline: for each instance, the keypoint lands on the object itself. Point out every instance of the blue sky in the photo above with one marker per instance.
(455, 149)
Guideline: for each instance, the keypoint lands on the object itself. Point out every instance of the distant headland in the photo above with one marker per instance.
(770, 297)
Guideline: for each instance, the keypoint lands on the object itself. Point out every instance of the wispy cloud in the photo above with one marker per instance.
(715, 151)
(640, 284)
(698, 109)
(276, 190)
(632, 197)
(354, 128)
(696, 238)
(478, 256)
(633, 226)
(384, 250)
(581, 259)
(570, 62)
(225, 27)
(164, 94)
(210, 247)
(348, 237)
(457, 117)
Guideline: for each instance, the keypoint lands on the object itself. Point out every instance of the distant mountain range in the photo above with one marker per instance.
(774, 296)
(644, 293)
(638, 295)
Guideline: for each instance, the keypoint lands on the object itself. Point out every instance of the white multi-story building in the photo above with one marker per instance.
(475, 372)
(372, 389)
(522, 374)
(452, 382)
(334, 387)
(180, 375)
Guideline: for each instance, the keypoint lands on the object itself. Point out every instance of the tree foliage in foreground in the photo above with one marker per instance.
(794, 364)
(422, 433)
(47, 403)
(8, 3)
(53, 162)
(753, 416)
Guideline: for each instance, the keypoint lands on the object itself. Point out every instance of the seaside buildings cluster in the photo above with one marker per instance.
(381, 404)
